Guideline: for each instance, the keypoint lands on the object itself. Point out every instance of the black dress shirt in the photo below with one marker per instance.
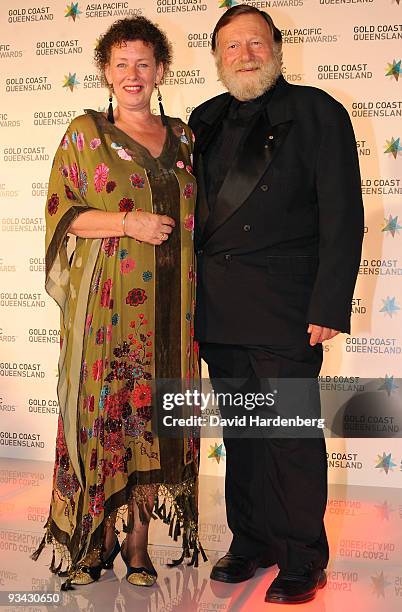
(221, 151)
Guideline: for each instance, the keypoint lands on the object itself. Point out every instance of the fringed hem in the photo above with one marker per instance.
(182, 518)
(58, 549)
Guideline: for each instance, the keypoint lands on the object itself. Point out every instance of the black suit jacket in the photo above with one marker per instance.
(281, 247)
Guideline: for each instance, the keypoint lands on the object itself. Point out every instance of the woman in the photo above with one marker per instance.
(122, 184)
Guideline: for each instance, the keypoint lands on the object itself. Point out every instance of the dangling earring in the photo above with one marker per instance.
(161, 109)
(110, 116)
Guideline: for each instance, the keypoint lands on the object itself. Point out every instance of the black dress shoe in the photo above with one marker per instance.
(296, 587)
(236, 568)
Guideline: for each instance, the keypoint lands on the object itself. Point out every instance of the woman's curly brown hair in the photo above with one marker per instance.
(135, 28)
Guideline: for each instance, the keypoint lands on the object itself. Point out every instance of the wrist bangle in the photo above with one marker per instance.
(124, 222)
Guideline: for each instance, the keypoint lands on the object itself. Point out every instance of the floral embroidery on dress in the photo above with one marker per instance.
(110, 246)
(100, 336)
(121, 151)
(100, 176)
(63, 169)
(88, 321)
(137, 181)
(83, 182)
(127, 265)
(53, 204)
(180, 164)
(188, 190)
(74, 174)
(65, 141)
(95, 143)
(69, 194)
(110, 186)
(126, 204)
(189, 223)
(106, 299)
(80, 141)
(89, 403)
(184, 138)
(97, 369)
(136, 297)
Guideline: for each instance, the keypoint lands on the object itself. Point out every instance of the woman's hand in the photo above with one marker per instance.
(148, 227)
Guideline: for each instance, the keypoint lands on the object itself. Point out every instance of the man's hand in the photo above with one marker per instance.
(319, 333)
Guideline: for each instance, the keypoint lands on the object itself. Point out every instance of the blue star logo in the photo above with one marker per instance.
(394, 70)
(72, 11)
(71, 81)
(227, 3)
(391, 226)
(390, 307)
(393, 147)
(388, 385)
(385, 463)
(216, 452)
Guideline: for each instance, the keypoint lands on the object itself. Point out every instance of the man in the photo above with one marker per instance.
(279, 228)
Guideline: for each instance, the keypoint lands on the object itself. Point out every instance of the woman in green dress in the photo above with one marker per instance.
(122, 184)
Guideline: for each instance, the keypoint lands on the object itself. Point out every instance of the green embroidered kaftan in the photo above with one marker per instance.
(126, 319)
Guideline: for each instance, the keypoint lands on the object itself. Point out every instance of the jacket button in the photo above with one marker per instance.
(200, 252)
(228, 257)
(264, 187)
(247, 228)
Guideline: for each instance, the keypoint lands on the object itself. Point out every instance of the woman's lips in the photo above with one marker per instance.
(133, 88)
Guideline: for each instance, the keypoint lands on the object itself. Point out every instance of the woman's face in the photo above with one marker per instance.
(133, 72)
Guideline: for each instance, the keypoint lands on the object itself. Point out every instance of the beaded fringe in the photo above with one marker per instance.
(175, 505)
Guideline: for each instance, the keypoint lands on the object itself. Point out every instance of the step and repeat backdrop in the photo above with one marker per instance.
(350, 48)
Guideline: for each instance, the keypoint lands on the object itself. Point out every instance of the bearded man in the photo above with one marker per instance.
(279, 228)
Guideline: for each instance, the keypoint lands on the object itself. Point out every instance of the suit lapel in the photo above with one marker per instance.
(252, 159)
(251, 162)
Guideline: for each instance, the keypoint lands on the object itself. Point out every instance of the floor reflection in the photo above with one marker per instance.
(364, 531)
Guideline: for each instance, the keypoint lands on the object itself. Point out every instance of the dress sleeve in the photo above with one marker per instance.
(66, 199)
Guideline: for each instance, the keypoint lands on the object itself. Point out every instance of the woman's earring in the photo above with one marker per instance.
(110, 116)
(161, 109)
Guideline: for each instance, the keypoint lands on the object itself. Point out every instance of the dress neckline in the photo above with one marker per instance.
(138, 144)
(166, 159)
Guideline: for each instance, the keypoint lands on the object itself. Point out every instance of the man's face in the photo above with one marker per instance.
(247, 61)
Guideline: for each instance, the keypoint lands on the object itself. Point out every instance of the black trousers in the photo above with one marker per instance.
(275, 488)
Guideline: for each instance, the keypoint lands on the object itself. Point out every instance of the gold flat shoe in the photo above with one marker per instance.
(86, 575)
(141, 576)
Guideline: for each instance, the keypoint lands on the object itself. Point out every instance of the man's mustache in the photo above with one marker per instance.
(247, 65)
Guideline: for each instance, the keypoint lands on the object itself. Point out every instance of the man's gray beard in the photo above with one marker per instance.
(262, 80)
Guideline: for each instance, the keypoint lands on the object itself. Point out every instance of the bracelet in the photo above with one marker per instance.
(124, 222)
